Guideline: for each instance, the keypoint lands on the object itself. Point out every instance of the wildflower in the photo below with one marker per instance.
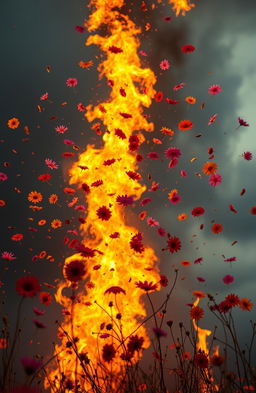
(30, 365)
(245, 304)
(115, 290)
(53, 198)
(146, 286)
(174, 198)
(242, 122)
(71, 82)
(216, 360)
(173, 152)
(247, 155)
(56, 223)
(39, 324)
(173, 244)
(159, 96)
(215, 179)
(74, 271)
(198, 294)
(13, 123)
(190, 100)
(196, 313)
(186, 356)
(136, 243)
(124, 200)
(214, 89)
(228, 279)
(188, 48)
(27, 286)
(197, 211)
(35, 197)
(44, 177)
(173, 163)
(163, 281)
(108, 352)
(120, 133)
(104, 213)
(209, 168)
(164, 65)
(182, 216)
(3, 176)
(161, 232)
(44, 97)
(216, 228)
(61, 129)
(201, 359)
(253, 210)
(159, 332)
(8, 256)
(224, 306)
(185, 125)
(232, 299)
(17, 237)
(45, 298)
(135, 344)
(81, 107)
(152, 223)
(51, 164)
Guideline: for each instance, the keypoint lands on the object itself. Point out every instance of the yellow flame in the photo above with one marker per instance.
(202, 333)
(119, 264)
(181, 6)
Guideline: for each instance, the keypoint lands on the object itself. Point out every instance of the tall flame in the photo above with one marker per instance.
(116, 264)
(202, 334)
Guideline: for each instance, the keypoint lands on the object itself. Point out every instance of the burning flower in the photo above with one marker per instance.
(108, 352)
(104, 213)
(201, 360)
(74, 271)
(146, 286)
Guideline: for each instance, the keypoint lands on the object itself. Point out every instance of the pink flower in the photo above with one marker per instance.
(68, 142)
(44, 97)
(3, 176)
(228, 279)
(81, 107)
(61, 129)
(71, 82)
(173, 163)
(8, 256)
(179, 86)
(214, 89)
(51, 164)
(173, 152)
(80, 29)
(215, 179)
(152, 156)
(183, 173)
(175, 198)
(161, 231)
(242, 122)
(247, 155)
(200, 279)
(164, 65)
(212, 119)
(152, 223)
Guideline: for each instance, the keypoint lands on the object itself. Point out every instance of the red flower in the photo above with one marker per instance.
(173, 244)
(109, 162)
(120, 133)
(85, 251)
(163, 280)
(68, 154)
(196, 313)
(201, 360)
(124, 200)
(45, 298)
(216, 228)
(197, 211)
(45, 177)
(224, 306)
(134, 142)
(188, 48)
(115, 49)
(146, 286)
(159, 332)
(253, 210)
(108, 352)
(185, 125)
(27, 286)
(133, 175)
(232, 299)
(17, 237)
(159, 96)
(74, 271)
(135, 344)
(104, 213)
(85, 188)
(115, 290)
(136, 243)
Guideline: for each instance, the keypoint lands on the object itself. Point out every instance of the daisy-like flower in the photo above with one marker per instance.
(71, 82)
(27, 286)
(108, 353)
(152, 223)
(201, 359)
(209, 168)
(196, 313)
(228, 279)
(216, 228)
(61, 129)
(104, 213)
(185, 125)
(17, 237)
(214, 89)
(215, 179)
(8, 256)
(3, 176)
(81, 107)
(74, 271)
(242, 122)
(247, 155)
(135, 344)
(51, 164)
(53, 198)
(146, 286)
(163, 281)
(245, 304)
(173, 152)
(56, 223)
(190, 100)
(188, 48)
(44, 177)
(173, 244)
(35, 197)
(136, 243)
(115, 290)
(232, 299)
(45, 298)
(164, 65)
(197, 211)
(124, 200)
(44, 97)
(13, 123)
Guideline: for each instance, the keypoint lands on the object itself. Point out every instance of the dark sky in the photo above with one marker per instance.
(41, 33)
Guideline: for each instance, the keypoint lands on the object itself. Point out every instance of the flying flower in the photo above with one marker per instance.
(3, 176)
(74, 271)
(190, 100)
(173, 244)
(172, 152)
(164, 65)
(13, 123)
(45, 298)
(51, 164)
(39, 324)
(30, 365)
(44, 177)
(163, 281)
(242, 122)
(115, 290)
(53, 198)
(135, 344)
(214, 89)
(188, 48)
(201, 359)
(185, 125)
(197, 211)
(136, 243)
(152, 223)
(71, 82)
(61, 129)
(245, 304)
(159, 332)
(215, 179)
(8, 256)
(228, 279)
(209, 168)
(56, 223)
(146, 286)
(124, 200)
(247, 155)
(232, 299)
(253, 210)
(81, 107)
(80, 29)
(159, 96)
(216, 228)
(104, 213)
(17, 237)
(35, 197)
(27, 286)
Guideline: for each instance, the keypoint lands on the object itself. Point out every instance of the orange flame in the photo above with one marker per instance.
(202, 333)
(116, 264)
(181, 6)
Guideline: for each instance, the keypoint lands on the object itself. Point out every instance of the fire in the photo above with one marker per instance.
(181, 6)
(202, 333)
(106, 171)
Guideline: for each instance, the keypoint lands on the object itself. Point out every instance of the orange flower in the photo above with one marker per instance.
(209, 168)
(185, 125)
(56, 223)
(85, 64)
(199, 294)
(17, 237)
(191, 100)
(13, 123)
(186, 356)
(35, 197)
(142, 215)
(245, 304)
(185, 263)
(35, 208)
(217, 228)
(182, 216)
(167, 131)
(41, 222)
(69, 190)
(53, 198)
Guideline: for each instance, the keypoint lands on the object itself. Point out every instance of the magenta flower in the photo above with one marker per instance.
(215, 179)
(247, 155)
(242, 122)
(8, 256)
(228, 279)
(81, 107)
(152, 223)
(164, 65)
(71, 82)
(214, 89)
(173, 152)
(61, 129)
(30, 365)
(3, 176)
